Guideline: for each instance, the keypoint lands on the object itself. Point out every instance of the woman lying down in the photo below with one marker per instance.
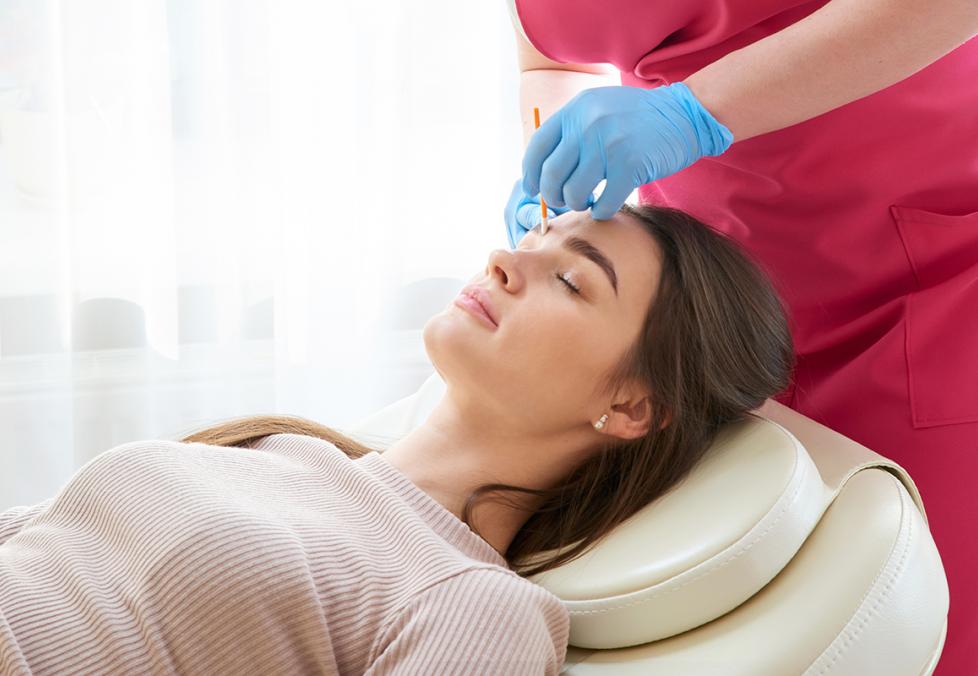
(612, 354)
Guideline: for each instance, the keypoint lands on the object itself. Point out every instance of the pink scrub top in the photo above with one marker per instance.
(866, 220)
(865, 217)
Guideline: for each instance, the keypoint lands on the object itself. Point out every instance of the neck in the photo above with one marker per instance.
(459, 448)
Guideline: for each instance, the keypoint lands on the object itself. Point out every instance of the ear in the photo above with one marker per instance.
(631, 419)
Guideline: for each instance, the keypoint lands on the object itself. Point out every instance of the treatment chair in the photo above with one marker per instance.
(790, 549)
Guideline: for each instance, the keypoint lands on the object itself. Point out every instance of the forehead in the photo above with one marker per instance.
(581, 224)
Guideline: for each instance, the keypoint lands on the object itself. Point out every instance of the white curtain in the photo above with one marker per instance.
(217, 208)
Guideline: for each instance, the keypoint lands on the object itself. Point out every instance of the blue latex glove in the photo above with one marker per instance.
(523, 213)
(627, 135)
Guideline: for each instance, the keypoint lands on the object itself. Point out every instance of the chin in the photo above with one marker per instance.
(458, 352)
(427, 335)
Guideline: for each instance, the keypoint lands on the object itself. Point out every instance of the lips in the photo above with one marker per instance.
(481, 296)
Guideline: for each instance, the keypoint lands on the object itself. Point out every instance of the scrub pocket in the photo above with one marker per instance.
(941, 315)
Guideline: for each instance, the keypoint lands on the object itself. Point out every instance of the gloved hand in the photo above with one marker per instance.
(627, 135)
(522, 213)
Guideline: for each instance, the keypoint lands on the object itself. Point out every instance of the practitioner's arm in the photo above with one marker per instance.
(548, 85)
(845, 50)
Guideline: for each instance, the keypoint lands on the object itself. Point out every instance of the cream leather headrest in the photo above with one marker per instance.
(702, 549)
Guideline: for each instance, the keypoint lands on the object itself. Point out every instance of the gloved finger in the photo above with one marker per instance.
(579, 187)
(557, 169)
(514, 230)
(530, 215)
(512, 203)
(526, 217)
(542, 143)
(514, 233)
(616, 191)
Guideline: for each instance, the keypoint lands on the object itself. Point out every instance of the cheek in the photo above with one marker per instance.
(561, 376)
(558, 340)
(548, 319)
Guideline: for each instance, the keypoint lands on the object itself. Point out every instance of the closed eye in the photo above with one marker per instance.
(570, 285)
(582, 247)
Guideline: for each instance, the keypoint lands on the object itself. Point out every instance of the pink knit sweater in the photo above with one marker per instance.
(285, 558)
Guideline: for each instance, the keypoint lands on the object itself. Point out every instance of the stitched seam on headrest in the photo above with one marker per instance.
(862, 616)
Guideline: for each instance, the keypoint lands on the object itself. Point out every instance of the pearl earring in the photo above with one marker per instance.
(601, 421)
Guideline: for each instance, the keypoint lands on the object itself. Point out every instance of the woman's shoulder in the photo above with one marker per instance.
(493, 589)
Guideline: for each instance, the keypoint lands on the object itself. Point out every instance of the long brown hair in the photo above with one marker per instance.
(715, 346)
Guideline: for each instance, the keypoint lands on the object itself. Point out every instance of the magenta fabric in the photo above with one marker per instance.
(866, 220)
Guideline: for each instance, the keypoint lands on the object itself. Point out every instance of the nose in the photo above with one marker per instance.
(503, 267)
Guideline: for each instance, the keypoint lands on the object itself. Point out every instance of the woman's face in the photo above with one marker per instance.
(539, 368)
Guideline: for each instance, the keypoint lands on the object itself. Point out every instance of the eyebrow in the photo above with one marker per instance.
(584, 248)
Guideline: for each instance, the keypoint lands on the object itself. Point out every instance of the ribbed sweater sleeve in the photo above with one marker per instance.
(477, 623)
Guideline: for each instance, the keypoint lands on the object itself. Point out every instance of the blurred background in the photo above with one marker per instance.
(211, 209)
